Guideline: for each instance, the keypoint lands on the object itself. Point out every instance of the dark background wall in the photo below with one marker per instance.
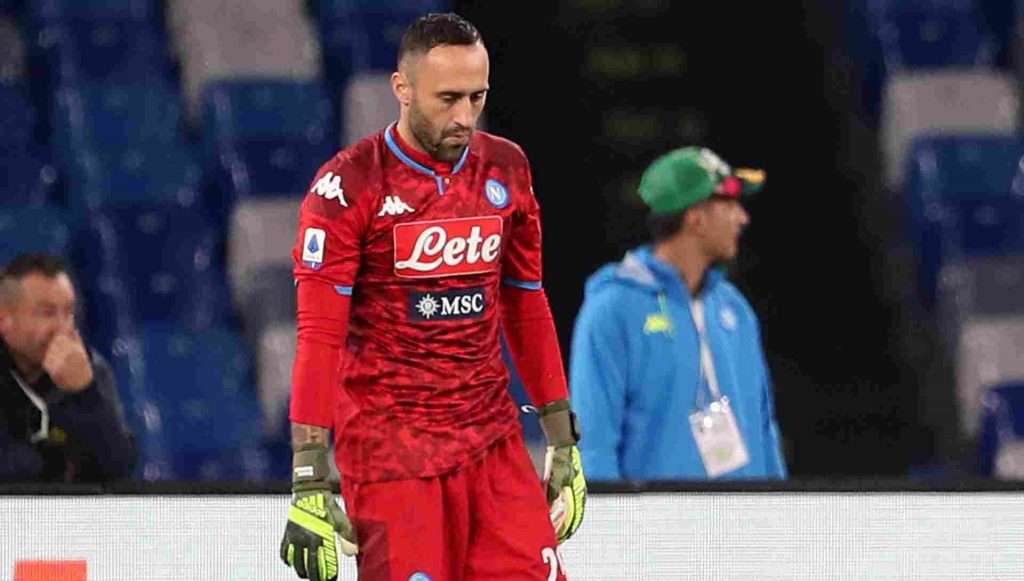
(595, 89)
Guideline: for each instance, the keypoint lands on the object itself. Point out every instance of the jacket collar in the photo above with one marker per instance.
(640, 266)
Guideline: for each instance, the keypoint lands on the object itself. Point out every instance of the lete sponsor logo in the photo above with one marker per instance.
(439, 248)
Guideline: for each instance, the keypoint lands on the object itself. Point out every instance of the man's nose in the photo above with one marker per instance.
(465, 114)
(743, 216)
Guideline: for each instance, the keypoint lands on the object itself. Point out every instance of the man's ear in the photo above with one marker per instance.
(401, 87)
(693, 218)
(6, 319)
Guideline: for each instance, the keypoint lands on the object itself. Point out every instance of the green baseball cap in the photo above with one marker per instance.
(682, 177)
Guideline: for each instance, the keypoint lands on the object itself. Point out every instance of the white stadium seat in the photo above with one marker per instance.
(914, 104)
(990, 351)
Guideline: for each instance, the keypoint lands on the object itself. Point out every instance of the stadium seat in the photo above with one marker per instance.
(368, 105)
(362, 37)
(988, 353)
(266, 108)
(17, 117)
(12, 52)
(134, 177)
(109, 50)
(347, 8)
(227, 39)
(25, 178)
(989, 227)
(943, 169)
(1001, 437)
(275, 355)
(935, 39)
(95, 9)
(104, 116)
(270, 167)
(916, 104)
(979, 287)
(963, 165)
(261, 235)
(33, 229)
(156, 264)
(142, 414)
(878, 10)
(963, 229)
(201, 386)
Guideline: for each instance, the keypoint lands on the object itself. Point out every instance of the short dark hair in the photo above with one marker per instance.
(437, 29)
(661, 227)
(23, 265)
(34, 263)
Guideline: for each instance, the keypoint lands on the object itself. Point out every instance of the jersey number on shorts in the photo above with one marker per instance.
(554, 560)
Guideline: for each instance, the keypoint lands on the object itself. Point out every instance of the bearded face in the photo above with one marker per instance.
(444, 94)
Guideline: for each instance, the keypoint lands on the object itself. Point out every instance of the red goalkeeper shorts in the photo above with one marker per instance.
(487, 521)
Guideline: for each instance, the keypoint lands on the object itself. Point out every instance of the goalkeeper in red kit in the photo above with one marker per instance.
(417, 247)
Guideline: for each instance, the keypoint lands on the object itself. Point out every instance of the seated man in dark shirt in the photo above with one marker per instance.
(60, 415)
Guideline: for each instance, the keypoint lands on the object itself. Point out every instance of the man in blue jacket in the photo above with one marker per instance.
(60, 415)
(667, 372)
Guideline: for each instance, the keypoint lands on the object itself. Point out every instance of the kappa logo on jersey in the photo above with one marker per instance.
(497, 193)
(463, 303)
(329, 186)
(438, 248)
(393, 206)
(313, 247)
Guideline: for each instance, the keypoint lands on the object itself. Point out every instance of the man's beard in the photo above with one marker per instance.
(436, 147)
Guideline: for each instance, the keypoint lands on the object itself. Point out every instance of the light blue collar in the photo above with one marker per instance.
(395, 149)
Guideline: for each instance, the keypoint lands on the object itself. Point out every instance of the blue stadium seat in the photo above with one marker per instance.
(25, 179)
(141, 413)
(12, 7)
(201, 385)
(110, 50)
(146, 176)
(988, 227)
(1002, 423)
(17, 117)
(947, 168)
(270, 167)
(879, 10)
(156, 264)
(260, 108)
(344, 8)
(33, 229)
(883, 34)
(350, 46)
(921, 40)
(61, 9)
(362, 35)
(105, 116)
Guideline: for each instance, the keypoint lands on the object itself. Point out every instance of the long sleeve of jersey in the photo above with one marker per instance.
(525, 312)
(326, 255)
(533, 344)
(322, 317)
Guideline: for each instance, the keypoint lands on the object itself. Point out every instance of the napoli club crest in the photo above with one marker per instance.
(497, 193)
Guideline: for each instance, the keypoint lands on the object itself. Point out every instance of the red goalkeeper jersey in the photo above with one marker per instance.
(423, 248)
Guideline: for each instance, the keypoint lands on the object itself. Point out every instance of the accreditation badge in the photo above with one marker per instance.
(718, 438)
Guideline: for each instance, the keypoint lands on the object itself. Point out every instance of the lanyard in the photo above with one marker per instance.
(44, 412)
(707, 364)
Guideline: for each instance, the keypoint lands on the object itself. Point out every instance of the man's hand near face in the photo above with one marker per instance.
(67, 363)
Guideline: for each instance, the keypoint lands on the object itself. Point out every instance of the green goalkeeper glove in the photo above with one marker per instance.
(563, 469)
(317, 528)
